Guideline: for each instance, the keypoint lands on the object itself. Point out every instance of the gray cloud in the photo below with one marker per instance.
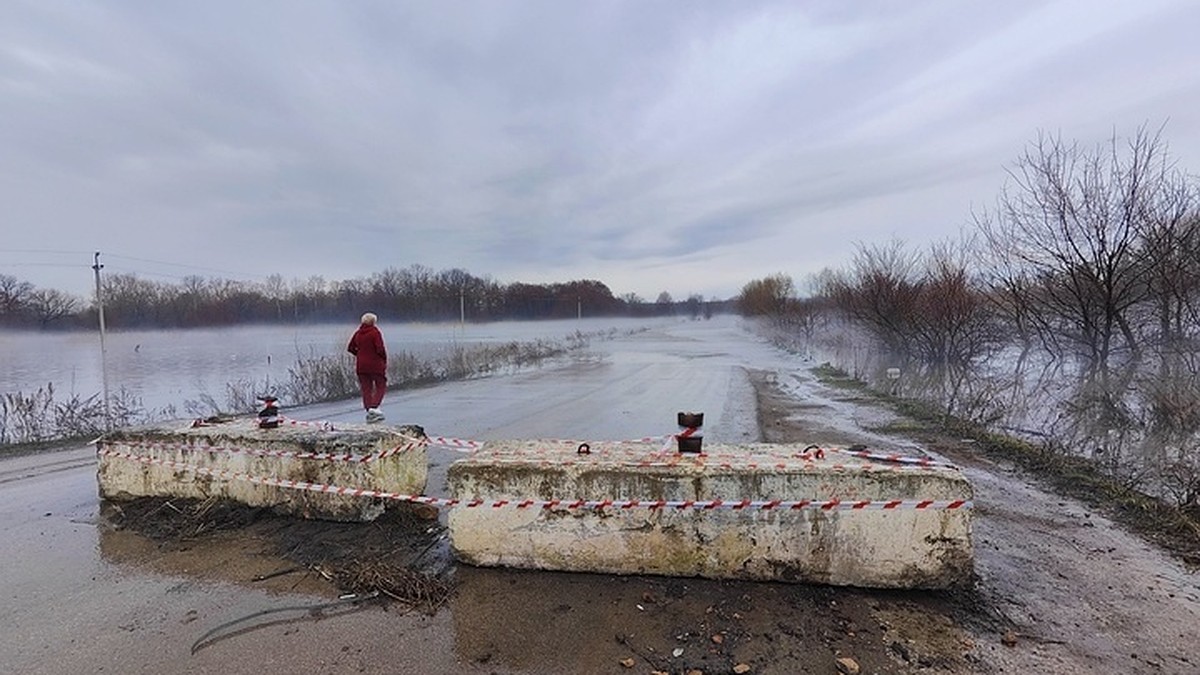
(687, 147)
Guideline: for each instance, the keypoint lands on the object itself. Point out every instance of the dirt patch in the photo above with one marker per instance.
(1174, 530)
(1060, 587)
(398, 556)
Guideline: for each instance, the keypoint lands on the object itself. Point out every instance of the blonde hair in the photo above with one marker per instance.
(369, 319)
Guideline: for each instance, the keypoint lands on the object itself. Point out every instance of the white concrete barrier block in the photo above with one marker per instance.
(771, 512)
(310, 471)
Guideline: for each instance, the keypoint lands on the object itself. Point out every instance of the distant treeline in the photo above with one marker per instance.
(415, 293)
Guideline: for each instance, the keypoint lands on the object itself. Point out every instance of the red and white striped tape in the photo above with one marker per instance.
(897, 459)
(561, 453)
(699, 461)
(454, 443)
(322, 425)
(347, 457)
(570, 504)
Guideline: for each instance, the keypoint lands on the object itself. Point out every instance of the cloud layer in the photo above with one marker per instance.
(685, 147)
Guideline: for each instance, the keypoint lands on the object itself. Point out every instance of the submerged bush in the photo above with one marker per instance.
(331, 377)
(41, 416)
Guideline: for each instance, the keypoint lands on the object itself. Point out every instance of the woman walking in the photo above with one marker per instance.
(370, 364)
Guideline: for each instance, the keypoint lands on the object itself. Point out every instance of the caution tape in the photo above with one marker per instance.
(467, 445)
(699, 461)
(279, 419)
(662, 458)
(348, 457)
(664, 450)
(564, 504)
(322, 425)
(561, 453)
(454, 443)
(897, 459)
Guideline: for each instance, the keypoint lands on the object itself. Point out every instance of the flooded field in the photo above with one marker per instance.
(168, 367)
(1060, 588)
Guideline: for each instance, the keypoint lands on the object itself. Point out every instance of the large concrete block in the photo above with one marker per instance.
(869, 523)
(311, 471)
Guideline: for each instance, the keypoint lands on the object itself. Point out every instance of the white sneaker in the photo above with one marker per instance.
(374, 415)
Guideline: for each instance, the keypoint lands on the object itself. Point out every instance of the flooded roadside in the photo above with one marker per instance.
(84, 595)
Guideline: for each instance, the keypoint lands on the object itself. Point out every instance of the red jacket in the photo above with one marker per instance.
(370, 356)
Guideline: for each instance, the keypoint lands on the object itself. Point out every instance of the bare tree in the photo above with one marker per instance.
(1094, 251)
(879, 292)
(767, 296)
(953, 330)
(1064, 241)
(14, 297)
(275, 290)
(49, 305)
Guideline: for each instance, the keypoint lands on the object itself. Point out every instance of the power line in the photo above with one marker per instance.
(34, 264)
(131, 270)
(43, 250)
(183, 265)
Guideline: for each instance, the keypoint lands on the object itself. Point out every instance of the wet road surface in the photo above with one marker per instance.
(1079, 594)
(81, 598)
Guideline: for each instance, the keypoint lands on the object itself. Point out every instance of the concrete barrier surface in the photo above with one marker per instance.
(758, 511)
(263, 467)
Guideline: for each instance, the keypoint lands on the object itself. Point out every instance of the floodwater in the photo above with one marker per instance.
(170, 367)
(81, 598)
(1061, 589)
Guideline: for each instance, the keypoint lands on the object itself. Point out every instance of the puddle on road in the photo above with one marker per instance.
(402, 554)
(506, 620)
(533, 621)
(796, 405)
(230, 558)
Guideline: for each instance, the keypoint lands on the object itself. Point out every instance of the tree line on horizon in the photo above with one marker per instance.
(414, 293)
(1069, 312)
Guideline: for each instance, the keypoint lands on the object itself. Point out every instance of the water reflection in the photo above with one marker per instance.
(167, 367)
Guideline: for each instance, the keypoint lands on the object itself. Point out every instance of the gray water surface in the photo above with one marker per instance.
(168, 367)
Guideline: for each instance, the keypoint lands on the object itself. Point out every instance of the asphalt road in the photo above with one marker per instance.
(1061, 588)
(79, 598)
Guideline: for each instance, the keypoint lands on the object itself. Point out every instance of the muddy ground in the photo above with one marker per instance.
(1060, 588)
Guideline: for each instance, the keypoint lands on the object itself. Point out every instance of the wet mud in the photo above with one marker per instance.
(1058, 588)
(401, 556)
(546, 622)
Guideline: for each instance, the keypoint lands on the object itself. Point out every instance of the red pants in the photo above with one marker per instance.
(373, 387)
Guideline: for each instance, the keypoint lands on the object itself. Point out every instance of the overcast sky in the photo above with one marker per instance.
(686, 147)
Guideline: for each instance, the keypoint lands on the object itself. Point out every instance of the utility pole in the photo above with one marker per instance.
(96, 267)
(578, 307)
(462, 307)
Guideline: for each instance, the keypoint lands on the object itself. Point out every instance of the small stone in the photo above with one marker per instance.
(847, 666)
(1009, 639)
(695, 672)
(741, 668)
(677, 652)
(628, 663)
(718, 638)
